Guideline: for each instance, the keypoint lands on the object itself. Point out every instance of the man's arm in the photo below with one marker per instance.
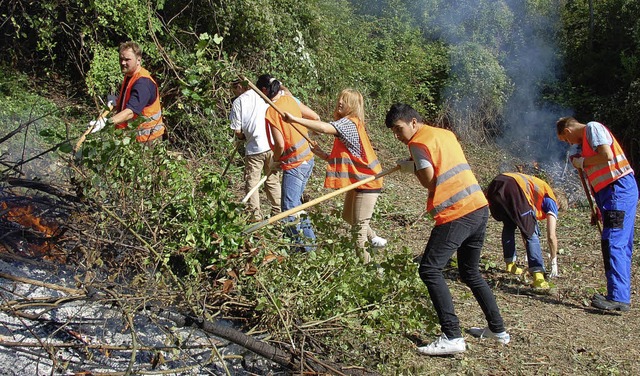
(552, 238)
(425, 177)
(122, 116)
(553, 244)
(605, 154)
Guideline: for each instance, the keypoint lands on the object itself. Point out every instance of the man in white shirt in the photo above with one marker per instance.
(248, 123)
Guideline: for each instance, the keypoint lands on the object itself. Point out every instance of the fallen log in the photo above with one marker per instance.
(287, 359)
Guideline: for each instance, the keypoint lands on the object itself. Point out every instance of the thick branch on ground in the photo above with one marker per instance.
(42, 187)
(284, 358)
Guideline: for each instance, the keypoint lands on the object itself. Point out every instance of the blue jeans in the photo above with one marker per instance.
(532, 244)
(298, 228)
(617, 203)
(465, 236)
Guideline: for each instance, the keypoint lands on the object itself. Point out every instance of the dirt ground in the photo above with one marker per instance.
(551, 334)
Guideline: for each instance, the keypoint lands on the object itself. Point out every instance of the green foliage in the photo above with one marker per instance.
(371, 303)
(44, 128)
(478, 90)
(176, 205)
(104, 76)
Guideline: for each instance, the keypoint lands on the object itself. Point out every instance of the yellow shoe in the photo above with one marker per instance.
(513, 269)
(539, 282)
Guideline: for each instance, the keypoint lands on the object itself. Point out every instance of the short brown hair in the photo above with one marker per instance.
(131, 45)
(564, 122)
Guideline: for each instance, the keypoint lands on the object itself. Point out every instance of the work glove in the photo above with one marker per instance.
(406, 166)
(577, 161)
(97, 125)
(554, 267)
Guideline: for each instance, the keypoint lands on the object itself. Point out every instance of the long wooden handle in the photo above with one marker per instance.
(86, 133)
(318, 200)
(273, 105)
(254, 189)
(587, 191)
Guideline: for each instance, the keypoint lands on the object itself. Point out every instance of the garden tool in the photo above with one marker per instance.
(254, 189)
(236, 147)
(89, 129)
(592, 205)
(318, 200)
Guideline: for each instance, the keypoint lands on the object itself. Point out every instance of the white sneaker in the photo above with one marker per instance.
(378, 242)
(444, 346)
(502, 337)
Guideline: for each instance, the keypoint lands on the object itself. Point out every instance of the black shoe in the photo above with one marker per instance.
(598, 297)
(610, 305)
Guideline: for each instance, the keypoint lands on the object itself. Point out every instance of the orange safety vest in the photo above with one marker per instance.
(535, 190)
(345, 168)
(457, 192)
(153, 127)
(605, 173)
(296, 147)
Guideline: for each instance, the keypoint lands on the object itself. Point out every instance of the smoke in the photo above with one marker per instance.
(521, 38)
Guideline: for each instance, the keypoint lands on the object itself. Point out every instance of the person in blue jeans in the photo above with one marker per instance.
(291, 153)
(613, 183)
(519, 201)
(298, 226)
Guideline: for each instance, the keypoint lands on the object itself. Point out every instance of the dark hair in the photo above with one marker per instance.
(268, 82)
(563, 123)
(401, 111)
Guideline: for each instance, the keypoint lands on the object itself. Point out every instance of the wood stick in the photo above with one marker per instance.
(86, 133)
(273, 105)
(318, 200)
(232, 156)
(41, 284)
(254, 189)
(592, 205)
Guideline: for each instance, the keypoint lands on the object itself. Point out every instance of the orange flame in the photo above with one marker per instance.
(25, 216)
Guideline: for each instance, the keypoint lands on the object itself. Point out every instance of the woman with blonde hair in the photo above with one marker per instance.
(352, 159)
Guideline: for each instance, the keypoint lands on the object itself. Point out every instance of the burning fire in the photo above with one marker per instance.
(25, 216)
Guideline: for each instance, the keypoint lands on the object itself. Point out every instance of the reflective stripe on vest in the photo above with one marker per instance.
(442, 179)
(535, 190)
(603, 174)
(344, 168)
(455, 198)
(456, 192)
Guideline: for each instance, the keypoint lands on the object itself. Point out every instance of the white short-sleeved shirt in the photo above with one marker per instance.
(247, 115)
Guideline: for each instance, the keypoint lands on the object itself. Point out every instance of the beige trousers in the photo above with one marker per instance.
(254, 166)
(357, 211)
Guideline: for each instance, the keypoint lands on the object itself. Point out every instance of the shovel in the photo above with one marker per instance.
(318, 200)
